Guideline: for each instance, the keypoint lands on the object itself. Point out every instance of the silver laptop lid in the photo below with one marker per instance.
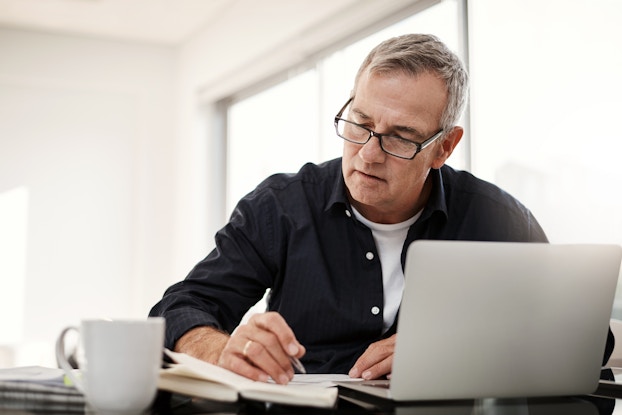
(487, 319)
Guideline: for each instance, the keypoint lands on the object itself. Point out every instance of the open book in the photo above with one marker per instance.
(194, 377)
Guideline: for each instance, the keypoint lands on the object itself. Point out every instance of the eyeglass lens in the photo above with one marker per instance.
(393, 145)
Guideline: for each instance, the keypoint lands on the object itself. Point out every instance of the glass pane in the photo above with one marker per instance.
(273, 131)
(545, 100)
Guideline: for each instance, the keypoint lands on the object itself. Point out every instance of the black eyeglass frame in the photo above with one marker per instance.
(372, 133)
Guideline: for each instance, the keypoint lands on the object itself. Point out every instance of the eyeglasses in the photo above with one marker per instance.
(390, 144)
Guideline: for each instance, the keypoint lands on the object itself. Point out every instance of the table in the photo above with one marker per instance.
(604, 402)
(589, 405)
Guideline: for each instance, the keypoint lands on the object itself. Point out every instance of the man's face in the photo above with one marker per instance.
(384, 188)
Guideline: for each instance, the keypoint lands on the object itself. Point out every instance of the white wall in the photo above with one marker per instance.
(87, 136)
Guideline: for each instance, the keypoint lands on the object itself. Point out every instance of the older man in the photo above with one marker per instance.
(329, 242)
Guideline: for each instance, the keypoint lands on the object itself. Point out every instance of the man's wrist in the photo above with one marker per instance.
(203, 342)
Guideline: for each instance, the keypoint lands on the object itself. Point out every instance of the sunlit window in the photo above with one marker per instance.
(546, 97)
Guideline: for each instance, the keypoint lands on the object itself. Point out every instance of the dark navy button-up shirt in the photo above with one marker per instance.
(295, 235)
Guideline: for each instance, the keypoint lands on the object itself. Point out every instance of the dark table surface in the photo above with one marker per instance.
(603, 402)
(350, 403)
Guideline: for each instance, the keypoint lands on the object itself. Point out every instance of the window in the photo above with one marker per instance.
(546, 88)
(273, 131)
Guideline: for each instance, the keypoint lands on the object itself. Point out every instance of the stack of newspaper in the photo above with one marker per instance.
(36, 388)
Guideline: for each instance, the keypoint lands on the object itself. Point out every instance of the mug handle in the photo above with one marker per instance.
(62, 359)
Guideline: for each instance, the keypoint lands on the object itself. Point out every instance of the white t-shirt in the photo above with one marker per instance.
(389, 240)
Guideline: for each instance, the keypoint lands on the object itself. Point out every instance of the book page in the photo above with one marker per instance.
(326, 380)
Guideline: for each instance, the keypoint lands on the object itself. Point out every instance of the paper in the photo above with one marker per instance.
(321, 380)
(32, 374)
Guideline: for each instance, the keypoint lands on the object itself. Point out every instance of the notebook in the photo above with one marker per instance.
(500, 320)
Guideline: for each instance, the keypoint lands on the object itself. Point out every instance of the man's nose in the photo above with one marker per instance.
(371, 151)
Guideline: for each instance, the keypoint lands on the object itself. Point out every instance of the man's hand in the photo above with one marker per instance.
(376, 361)
(262, 348)
(257, 350)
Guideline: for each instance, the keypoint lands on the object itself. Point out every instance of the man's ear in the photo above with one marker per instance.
(447, 145)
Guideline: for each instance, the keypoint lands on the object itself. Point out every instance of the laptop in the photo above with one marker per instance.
(500, 320)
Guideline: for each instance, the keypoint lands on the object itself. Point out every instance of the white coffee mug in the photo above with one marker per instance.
(122, 359)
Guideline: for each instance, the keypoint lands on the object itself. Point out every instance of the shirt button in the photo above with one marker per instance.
(348, 214)
(369, 255)
(375, 310)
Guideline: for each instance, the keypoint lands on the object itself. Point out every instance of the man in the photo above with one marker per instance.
(329, 242)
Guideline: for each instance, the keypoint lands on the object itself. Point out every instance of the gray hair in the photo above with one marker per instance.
(414, 54)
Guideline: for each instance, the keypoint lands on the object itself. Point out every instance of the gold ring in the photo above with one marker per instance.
(246, 346)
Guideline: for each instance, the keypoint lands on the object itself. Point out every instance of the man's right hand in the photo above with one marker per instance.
(257, 350)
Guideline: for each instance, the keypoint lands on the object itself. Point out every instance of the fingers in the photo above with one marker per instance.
(275, 324)
(246, 347)
(376, 361)
(262, 349)
(239, 354)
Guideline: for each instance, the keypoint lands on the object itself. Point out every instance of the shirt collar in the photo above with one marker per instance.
(437, 201)
(338, 192)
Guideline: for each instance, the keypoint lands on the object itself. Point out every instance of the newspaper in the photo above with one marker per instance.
(38, 388)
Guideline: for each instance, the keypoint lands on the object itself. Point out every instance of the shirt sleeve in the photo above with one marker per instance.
(231, 279)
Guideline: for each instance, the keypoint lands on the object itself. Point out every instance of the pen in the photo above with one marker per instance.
(296, 363)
